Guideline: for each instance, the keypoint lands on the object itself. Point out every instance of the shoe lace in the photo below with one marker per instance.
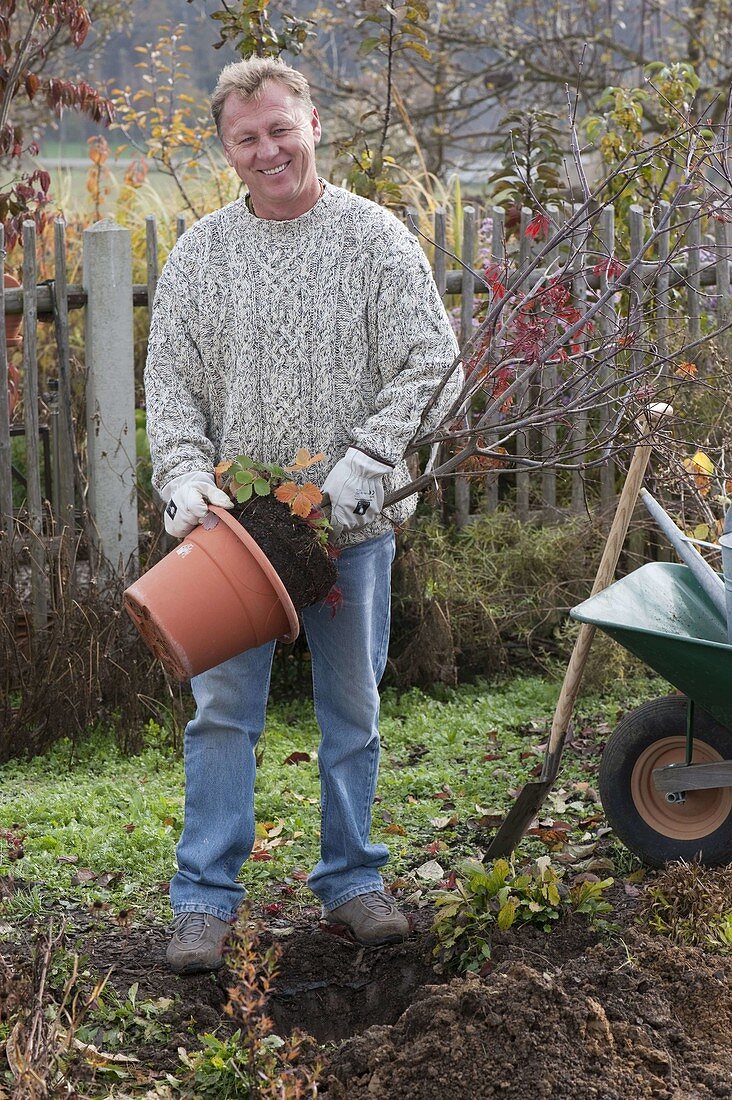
(379, 902)
(189, 927)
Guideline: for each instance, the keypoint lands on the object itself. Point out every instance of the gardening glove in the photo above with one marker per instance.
(187, 498)
(355, 487)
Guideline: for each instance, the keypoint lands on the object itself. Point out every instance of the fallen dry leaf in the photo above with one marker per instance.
(297, 758)
(431, 871)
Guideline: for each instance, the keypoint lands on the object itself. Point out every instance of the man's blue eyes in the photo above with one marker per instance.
(249, 140)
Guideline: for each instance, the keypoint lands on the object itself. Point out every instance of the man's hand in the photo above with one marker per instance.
(187, 498)
(355, 487)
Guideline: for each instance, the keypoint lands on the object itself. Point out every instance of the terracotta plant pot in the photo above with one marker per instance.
(212, 597)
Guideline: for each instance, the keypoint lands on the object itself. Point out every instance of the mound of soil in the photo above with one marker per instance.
(299, 560)
(633, 1020)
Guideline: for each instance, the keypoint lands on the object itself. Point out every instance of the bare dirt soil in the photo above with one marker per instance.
(573, 1015)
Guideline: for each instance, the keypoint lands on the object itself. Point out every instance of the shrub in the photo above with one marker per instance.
(497, 896)
(488, 598)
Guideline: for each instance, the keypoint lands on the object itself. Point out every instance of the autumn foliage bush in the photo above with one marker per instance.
(489, 598)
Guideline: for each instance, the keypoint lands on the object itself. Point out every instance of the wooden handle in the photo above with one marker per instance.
(604, 577)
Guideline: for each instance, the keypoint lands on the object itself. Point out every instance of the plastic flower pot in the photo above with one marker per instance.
(212, 597)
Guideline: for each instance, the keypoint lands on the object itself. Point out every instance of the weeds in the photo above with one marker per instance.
(87, 661)
(498, 897)
(690, 904)
(41, 1048)
(253, 1063)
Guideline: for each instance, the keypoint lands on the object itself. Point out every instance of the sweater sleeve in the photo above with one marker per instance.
(414, 347)
(175, 394)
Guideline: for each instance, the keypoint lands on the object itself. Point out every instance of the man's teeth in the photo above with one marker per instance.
(274, 171)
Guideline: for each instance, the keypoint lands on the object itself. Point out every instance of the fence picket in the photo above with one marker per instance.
(523, 394)
(498, 256)
(548, 437)
(64, 451)
(6, 466)
(693, 271)
(580, 420)
(440, 260)
(724, 302)
(34, 503)
(662, 284)
(151, 258)
(608, 324)
(467, 304)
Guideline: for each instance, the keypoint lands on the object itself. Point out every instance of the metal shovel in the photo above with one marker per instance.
(532, 796)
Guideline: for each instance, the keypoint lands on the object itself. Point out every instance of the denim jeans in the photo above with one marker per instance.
(348, 652)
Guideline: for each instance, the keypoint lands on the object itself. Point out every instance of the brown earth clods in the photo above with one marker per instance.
(567, 1016)
(636, 1019)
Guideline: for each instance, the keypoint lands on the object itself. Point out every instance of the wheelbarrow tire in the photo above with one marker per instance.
(650, 736)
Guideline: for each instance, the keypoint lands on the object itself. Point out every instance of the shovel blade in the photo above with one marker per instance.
(518, 819)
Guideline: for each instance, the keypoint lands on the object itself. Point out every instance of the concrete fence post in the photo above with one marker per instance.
(110, 396)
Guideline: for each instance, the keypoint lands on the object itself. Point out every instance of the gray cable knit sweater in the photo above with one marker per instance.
(322, 332)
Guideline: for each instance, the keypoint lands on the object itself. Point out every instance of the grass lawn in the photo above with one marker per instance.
(89, 1008)
(100, 826)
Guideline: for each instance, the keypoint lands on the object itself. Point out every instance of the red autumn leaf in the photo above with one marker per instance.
(334, 600)
(538, 227)
(299, 876)
(260, 856)
(274, 908)
(610, 267)
(31, 85)
(297, 758)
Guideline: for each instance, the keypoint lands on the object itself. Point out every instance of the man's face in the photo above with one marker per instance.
(270, 143)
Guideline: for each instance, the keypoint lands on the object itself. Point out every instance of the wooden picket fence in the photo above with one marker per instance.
(61, 493)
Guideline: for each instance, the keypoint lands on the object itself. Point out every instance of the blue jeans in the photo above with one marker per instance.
(348, 652)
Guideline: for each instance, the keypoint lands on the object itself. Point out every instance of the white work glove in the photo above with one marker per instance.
(187, 498)
(355, 487)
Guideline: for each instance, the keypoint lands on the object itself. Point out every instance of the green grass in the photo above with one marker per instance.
(121, 815)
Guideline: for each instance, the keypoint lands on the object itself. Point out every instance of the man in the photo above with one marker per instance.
(298, 316)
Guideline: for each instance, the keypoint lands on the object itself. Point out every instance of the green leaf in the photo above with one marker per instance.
(261, 487)
(507, 914)
(244, 494)
(369, 45)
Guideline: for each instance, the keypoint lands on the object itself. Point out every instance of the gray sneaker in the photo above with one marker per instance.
(373, 919)
(198, 943)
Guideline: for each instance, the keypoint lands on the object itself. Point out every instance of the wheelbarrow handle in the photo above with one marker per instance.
(605, 576)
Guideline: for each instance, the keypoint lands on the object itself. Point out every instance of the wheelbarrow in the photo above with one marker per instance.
(665, 779)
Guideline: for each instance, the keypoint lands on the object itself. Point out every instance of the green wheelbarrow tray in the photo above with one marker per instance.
(660, 614)
(665, 776)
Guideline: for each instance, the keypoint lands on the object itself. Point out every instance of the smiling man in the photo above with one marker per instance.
(298, 316)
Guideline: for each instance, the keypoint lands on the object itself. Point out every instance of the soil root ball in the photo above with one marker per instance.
(641, 1019)
(293, 550)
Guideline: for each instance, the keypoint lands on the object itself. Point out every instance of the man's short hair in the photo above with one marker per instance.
(247, 79)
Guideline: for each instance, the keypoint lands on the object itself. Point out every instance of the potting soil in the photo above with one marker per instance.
(290, 544)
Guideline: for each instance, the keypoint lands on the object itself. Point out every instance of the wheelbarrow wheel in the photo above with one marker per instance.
(657, 831)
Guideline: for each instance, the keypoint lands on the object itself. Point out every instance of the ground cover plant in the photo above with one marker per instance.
(87, 838)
